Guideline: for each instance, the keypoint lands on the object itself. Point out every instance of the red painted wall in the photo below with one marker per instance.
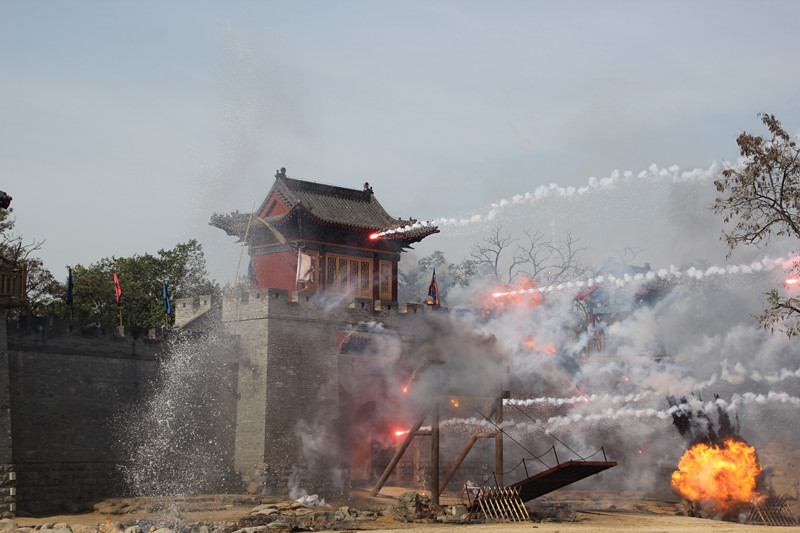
(279, 209)
(276, 271)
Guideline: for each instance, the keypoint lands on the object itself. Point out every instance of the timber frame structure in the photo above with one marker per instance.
(502, 502)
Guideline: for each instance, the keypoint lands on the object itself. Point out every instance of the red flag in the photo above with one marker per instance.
(116, 287)
(433, 291)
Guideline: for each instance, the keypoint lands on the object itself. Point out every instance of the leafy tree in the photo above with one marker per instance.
(140, 278)
(41, 288)
(761, 199)
(413, 283)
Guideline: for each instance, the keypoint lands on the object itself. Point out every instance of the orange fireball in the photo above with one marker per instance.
(723, 475)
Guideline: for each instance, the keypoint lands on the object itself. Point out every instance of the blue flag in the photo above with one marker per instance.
(70, 284)
(167, 306)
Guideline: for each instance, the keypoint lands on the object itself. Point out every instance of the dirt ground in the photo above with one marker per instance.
(591, 512)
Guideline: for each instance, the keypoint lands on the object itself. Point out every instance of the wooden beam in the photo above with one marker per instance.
(399, 453)
(463, 455)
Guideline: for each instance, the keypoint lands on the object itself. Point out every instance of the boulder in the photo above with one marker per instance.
(6, 524)
(413, 506)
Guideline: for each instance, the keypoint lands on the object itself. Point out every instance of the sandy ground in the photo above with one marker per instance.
(593, 513)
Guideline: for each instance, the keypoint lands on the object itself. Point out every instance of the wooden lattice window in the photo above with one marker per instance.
(385, 280)
(331, 271)
(354, 273)
(366, 280)
(343, 272)
(349, 275)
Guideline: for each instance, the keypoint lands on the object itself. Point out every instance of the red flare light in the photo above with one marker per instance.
(374, 236)
(505, 297)
(400, 433)
(792, 281)
(405, 389)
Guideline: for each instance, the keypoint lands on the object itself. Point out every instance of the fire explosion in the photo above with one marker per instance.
(723, 475)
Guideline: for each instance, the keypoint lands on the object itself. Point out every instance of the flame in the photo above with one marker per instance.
(454, 401)
(521, 296)
(723, 475)
(548, 348)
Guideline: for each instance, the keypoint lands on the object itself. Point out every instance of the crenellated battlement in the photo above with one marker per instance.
(95, 339)
(265, 303)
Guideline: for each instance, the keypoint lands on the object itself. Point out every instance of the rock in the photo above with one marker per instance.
(8, 524)
(412, 506)
(133, 529)
(266, 509)
(253, 529)
(111, 527)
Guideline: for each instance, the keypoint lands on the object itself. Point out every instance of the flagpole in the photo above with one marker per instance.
(246, 231)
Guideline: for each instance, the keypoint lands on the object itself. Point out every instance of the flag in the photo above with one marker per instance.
(116, 287)
(304, 269)
(167, 305)
(70, 284)
(433, 290)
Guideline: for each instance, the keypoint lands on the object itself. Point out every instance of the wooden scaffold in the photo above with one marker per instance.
(771, 511)
(500, 504)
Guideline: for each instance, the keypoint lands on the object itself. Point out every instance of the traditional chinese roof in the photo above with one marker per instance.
(323, 204)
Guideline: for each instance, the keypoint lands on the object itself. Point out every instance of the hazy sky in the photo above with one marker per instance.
(124, 125)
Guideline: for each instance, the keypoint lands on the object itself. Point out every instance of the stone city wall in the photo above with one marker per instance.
(64, 387)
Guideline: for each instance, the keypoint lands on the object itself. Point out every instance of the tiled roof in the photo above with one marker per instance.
(337, 205)
(328, 204)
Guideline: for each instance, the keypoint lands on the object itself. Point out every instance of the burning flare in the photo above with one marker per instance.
(523, 296)
(722, 475)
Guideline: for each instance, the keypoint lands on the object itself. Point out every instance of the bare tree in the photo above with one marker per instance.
(488, 254)
(544, 261)
(549, 262)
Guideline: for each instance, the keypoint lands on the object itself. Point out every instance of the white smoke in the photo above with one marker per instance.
(653, 173)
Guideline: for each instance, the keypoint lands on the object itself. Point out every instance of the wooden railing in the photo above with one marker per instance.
(12, 285)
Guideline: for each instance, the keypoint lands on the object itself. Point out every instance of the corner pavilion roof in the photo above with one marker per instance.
(327, 204)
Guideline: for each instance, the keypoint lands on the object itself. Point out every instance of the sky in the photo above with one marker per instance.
(125, 125)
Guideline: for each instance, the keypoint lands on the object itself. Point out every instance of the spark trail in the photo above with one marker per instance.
(654, 173)
(766, 264)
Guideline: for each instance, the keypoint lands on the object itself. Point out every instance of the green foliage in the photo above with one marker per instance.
(140, 279)
(413, 283)
(780, 314)
(761, 199)
(41, 288)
